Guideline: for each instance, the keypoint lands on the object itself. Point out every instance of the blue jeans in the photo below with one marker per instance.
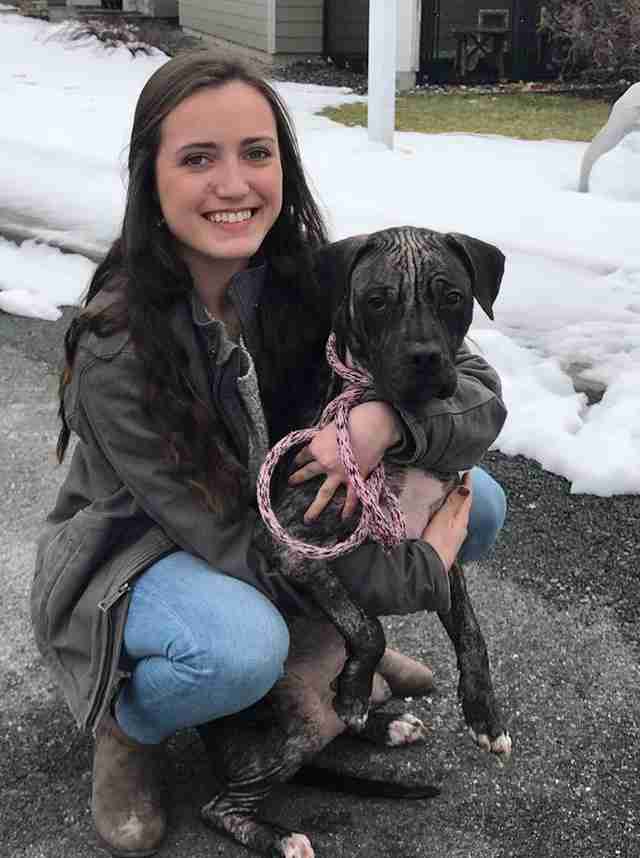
(488, 511)
(203, 645)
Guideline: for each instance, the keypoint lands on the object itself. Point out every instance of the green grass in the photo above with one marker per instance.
(527, 116)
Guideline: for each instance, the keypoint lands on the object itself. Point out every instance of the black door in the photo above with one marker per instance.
(526, 15)
(428, 31)
(430, 63)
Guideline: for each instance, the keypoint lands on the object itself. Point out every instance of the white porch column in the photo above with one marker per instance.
(271, 26)
(394, 56)
(383, 30)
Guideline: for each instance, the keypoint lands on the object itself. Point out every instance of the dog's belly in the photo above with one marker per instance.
(316, 657)
(421, 495)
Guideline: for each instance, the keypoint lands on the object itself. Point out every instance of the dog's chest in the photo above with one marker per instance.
(420, 495)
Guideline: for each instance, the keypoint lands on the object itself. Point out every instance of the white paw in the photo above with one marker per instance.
(405, 731)
(357, 723)
(297, 846)
(501, 745)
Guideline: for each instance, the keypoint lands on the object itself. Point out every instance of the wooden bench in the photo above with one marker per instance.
(473, 45)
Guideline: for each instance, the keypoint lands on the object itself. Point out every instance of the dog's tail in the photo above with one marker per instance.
(329, 779)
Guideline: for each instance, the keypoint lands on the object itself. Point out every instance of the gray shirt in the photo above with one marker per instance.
(221, 349)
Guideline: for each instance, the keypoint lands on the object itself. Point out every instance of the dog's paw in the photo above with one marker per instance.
(296, 846)
(500, 746)
(405, 730)
(353, 712)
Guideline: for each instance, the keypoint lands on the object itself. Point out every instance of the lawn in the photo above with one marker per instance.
(528, 116)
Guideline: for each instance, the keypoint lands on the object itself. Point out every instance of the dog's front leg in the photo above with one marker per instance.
(364, 642)
(475, 688)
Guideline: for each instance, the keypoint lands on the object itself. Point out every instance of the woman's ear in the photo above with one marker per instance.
(485, 264)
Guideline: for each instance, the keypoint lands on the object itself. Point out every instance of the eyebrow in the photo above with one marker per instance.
(209, 144)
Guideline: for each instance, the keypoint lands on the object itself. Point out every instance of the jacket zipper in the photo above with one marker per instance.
(99, 701)
(99, 698)
(106, 604)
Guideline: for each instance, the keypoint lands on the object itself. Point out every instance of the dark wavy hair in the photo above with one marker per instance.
(147, 275)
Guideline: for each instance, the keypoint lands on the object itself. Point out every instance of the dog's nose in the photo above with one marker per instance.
(426, 359)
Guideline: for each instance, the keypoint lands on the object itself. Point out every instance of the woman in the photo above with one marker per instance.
(188, 360)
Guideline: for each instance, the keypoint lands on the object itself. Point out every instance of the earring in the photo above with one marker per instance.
(160, 222)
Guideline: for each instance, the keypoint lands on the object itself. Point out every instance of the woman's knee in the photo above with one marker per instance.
(222, 637)
(241, 647)
(488, 512)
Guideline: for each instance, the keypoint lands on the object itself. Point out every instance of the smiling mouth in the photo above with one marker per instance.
(241, 216)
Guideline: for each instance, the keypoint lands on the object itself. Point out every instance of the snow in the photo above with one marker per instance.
(568, 315)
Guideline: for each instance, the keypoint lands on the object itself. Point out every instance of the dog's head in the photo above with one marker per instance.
(408, 304)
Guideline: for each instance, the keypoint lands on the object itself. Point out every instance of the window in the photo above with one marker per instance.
(493, 19)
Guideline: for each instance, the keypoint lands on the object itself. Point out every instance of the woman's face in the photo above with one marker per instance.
(219, 176)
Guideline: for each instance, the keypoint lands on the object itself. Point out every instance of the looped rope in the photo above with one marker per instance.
(381, 518)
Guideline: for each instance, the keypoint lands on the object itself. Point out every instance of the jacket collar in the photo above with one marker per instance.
(245, 291)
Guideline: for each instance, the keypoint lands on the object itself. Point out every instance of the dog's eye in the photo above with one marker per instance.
(377, 302)
(452, 299)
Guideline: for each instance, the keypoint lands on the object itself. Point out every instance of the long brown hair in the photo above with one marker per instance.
(148, 276)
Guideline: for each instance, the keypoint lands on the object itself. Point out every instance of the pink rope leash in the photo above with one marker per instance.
(381, 518)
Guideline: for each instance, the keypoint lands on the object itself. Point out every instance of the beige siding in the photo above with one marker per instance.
(299, 26)
(243, 22)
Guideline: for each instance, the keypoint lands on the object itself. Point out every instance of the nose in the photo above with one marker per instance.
(230, 181)
(427, 360)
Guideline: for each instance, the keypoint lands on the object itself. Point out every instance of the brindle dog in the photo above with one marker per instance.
(407, 307)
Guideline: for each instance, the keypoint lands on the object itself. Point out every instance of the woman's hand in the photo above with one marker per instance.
(447, 530)
(374, 427)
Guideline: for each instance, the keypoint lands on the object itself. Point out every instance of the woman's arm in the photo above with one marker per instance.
(446, 436)
(413, 576)
(374, 427)
(453, 434)
(108, 415)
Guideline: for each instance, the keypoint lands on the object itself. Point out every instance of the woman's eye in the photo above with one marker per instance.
(197, 160)
(258, 154)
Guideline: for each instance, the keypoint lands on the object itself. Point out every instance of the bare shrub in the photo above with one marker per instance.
(138, 37)
(112, 32)
(599, 36)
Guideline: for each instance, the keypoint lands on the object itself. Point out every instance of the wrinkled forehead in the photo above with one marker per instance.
(409, 269)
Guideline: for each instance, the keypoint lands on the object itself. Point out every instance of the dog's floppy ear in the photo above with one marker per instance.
(485, 264)
(334, 262)
(334, 265)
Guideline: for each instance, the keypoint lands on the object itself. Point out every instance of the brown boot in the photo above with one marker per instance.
(127, 798)
(406, 676)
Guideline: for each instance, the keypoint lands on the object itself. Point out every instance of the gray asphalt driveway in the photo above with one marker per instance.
(559, 602)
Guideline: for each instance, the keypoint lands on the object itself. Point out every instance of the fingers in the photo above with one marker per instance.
(312, 469)
(459, 500)
(322, 498)
(351, 502)
(304, 456)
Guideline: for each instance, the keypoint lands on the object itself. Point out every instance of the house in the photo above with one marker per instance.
(166, 9)
(444, 23)
(281, 31)
(429, 32)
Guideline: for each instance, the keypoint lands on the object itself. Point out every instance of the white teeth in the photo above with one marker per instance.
(229, 217)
